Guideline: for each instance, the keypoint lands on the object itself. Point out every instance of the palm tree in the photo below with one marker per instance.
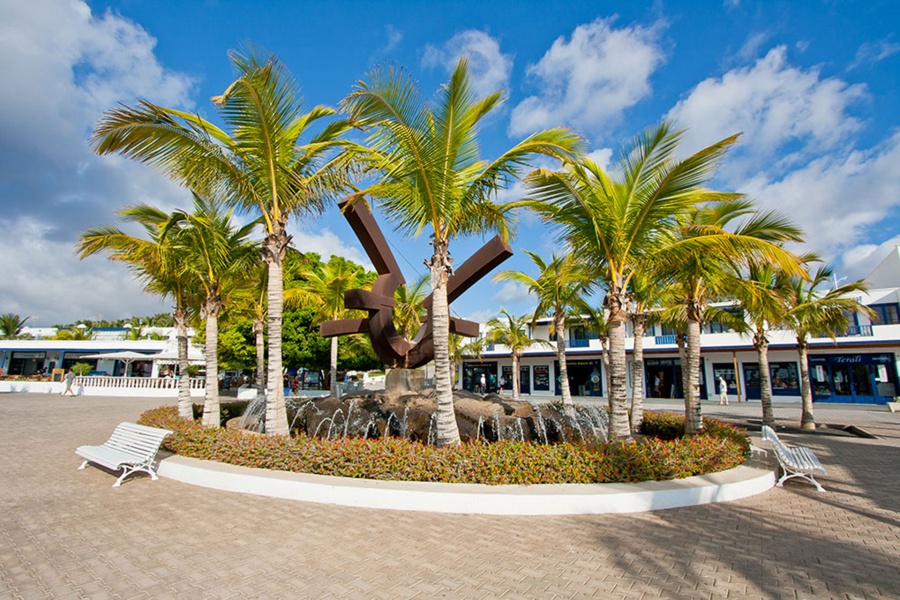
(434, 178)
(323, 289)
(410, 307)
(218, 256)
(645, 294)
(156, 261)
(560, 287)
(701, 258)
(760, 293)
(262, 167)
(11, 325)
(617, 225)
(813, 313)
(512, 332)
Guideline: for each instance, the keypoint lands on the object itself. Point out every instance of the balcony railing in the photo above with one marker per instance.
(859, 330)
(662, 340)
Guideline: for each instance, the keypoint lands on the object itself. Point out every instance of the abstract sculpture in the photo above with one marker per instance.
(391, 347)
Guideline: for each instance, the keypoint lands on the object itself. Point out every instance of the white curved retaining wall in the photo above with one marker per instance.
(563, 499)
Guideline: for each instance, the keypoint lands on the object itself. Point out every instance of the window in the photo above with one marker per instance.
(885, 314)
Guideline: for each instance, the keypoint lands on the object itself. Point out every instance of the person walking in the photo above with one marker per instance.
(70, 379)
(723, 391)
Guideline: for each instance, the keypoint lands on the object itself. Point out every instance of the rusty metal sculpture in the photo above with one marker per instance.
(391, 347)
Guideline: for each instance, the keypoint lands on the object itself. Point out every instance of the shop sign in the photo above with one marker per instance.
(29, 354)
(852, 359)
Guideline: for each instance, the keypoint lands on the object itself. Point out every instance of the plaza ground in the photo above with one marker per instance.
(66, 533)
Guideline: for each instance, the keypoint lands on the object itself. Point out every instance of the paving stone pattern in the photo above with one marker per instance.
(66, 533)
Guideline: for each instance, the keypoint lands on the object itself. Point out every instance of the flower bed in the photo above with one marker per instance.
(721, 447)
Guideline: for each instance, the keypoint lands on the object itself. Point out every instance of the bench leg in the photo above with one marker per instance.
(83, 465)
(805, 476)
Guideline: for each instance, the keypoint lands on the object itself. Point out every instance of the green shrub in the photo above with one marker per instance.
(719, 448)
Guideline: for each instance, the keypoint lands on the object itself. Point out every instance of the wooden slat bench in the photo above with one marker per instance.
(797, 461)
(131, 447)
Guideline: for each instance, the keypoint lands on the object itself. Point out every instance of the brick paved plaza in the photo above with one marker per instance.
(66, 533)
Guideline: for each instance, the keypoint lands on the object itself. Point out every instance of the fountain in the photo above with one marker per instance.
(412, 416)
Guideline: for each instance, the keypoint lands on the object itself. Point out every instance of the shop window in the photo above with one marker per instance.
(541, 378)
(726, 370)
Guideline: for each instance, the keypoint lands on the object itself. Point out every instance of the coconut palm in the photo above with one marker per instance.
(761, 294)
(262, 166)
(512, 332)
(617, 224)
(218, 256)
(701, 259)
(814, 313)
(410, 307)
(560, 287)
(322, 289)
(434, 178)
(156, 261)
(11, 325)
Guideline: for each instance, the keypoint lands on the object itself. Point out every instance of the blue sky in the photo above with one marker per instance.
(813, 86)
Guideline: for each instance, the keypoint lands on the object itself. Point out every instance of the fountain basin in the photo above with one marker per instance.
(754, 477)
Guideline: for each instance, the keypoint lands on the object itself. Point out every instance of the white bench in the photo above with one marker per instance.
(131, 448)
(798, 461)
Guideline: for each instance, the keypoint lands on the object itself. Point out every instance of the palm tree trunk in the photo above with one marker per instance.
(619, 426)
(275, 246)
(258, 330)
(333, 372)
(515, 376)
(185, 404)
(637, 374)
(447, 431)
(560, 325)
(211, 415)
(807, 420)
(693, 420)
(765, 385)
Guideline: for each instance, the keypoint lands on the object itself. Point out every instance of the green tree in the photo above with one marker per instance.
(560, 287)
(434, 178)
(217, 256)
(512, 332)
(617, 224)
(814, 313)
(156, 261)
(701, 258)
(322, 288)
(761, 294)
(262, 166)
(410, 308)
(11, 325)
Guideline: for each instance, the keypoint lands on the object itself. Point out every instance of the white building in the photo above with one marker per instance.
(858, 367)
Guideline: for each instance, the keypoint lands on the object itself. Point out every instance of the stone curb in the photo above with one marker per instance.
(557, 499)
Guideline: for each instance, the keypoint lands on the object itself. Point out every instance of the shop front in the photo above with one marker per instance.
(854, 378)
(585, 378)
(506, 381)
(663, 378)
(480, 377)
(783, 376)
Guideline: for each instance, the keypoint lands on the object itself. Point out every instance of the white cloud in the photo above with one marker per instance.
(42, 276)
(326, 243)
(750, 49)
(841, 201)
(64, 67)
(777, 106)
(512, 291)
(874, 52)
(859, 261)
(489, 68)
(394, 37)
(587, 81)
